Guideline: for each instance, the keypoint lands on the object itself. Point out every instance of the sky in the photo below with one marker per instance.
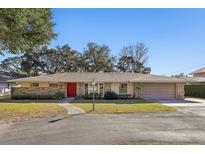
(175, 37)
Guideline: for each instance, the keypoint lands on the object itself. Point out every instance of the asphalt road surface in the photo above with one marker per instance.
(182, 127)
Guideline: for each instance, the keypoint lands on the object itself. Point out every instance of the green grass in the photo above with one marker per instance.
(18, 110)
(116, 101)
(7, 99)
(148, 107)
(23, 111)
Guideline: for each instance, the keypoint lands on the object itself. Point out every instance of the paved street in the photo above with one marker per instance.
(159, 128)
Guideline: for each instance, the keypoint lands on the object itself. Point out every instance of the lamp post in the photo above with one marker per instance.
(93, 84)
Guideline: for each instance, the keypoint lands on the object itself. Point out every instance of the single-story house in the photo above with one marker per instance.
(79, 84)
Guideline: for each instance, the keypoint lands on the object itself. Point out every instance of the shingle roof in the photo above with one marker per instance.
(101, 77)
(195, 79)
(201, 70)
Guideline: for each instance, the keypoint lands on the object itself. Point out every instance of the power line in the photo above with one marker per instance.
(178, 71)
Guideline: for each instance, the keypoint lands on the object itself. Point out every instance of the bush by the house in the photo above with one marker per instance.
(90, 96)
(59, 95)
(195, 90)
(35, 97)
(110, 95)
(124, 96)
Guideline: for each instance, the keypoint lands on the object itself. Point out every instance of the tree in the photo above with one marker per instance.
(25, 64)
(22, 30)
(61, 59)
(179, 75)
(133, 59)
(12, 64)
(45, 61)
(97, 58)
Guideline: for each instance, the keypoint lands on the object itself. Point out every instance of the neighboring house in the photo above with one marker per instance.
(198, 76)
(199, 73)
(5, 87)
(80, 84)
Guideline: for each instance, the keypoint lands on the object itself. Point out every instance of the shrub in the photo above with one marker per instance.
(59, 95)
(110, 95)
(90, 96)
(22, 97)
(124, 96)
(195, 90)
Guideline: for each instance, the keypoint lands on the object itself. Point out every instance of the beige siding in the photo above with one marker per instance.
(180, 91)
(28, 84)
(115, 87)
(130, 88)
(25, 84)
(43, 84)
(159, 91)
(107, 87)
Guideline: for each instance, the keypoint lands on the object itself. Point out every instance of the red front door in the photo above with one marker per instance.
(71, 89)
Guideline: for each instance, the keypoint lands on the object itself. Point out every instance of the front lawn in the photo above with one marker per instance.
(122, 106)
(7, 99)
(116, 101)
(2, 98)
(24, 111)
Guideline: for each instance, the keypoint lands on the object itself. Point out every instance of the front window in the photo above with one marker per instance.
(95, 88)
(35, 84)
(53, 85)
(123, 88)
(107, 87)
(86, 89)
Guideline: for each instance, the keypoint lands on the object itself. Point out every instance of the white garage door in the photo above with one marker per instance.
(159, 91)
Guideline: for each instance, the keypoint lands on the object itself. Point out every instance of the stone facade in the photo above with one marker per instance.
(35, 90)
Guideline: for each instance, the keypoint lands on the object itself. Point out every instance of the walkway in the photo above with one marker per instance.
(72, 110)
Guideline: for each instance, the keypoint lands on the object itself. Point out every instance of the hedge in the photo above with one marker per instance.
(59, 95)
(195, 90)
(34, 97)
(110, 95)
(90, 96)
(124, 96)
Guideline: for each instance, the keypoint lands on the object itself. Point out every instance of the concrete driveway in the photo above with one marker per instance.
(145, 128)
(186, 102)
(188, 105)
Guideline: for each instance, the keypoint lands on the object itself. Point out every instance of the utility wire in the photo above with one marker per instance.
(179, 71)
